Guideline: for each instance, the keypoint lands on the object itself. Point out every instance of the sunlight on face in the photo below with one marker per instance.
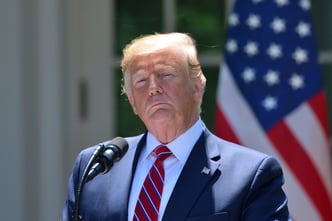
(161, 89)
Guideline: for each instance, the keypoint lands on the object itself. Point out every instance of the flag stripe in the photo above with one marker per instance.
(309, 134)
(319, 106)
(302, 167)
(300, 205)
(223, 128)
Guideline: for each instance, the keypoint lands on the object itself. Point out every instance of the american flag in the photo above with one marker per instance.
(270, 97)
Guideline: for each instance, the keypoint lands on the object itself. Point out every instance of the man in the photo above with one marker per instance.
(204, 178)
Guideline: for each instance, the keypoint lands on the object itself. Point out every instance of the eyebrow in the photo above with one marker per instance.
(164, 66)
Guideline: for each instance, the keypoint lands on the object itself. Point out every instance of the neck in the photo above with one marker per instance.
(166, 132)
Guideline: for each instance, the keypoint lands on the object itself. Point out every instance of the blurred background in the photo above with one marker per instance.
(60, 83)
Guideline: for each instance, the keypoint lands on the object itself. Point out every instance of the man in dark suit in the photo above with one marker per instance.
(203, 176)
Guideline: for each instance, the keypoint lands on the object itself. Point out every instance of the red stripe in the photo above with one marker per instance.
(319, 106)
(302, 167)
(222, 128)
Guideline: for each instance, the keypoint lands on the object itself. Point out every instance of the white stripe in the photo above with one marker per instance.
(150, 200)
(144, 211)
(306, 128)
(250, 133)
(153, 183)
(299, 203)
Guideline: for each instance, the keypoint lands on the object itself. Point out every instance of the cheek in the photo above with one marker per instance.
(183, 89)
(138, 102)
(189, 97)
(182, 97)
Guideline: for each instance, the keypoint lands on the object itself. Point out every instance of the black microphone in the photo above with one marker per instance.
(112, 151)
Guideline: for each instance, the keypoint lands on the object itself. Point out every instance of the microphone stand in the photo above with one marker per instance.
(83, 179)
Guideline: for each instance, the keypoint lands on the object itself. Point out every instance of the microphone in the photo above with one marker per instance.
(102, 160)
(110, 152)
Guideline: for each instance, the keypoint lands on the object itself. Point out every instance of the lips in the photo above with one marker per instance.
(156, 104)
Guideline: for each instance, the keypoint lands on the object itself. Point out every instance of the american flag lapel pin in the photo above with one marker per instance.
(205, 171)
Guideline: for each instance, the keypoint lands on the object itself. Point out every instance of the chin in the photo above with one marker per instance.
(160, 118)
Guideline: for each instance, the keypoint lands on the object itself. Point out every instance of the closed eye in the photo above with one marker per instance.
(140, 82)
(167, 75)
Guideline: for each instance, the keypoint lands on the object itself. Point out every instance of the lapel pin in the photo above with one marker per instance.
(205, 171)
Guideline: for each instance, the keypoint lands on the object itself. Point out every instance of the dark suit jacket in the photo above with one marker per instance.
(241, 184)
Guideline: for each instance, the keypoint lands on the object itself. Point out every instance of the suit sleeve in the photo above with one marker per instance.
(266, 200)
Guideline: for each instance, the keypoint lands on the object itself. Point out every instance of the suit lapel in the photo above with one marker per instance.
(200, 167)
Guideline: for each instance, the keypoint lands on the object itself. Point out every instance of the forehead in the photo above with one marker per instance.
(162, 58)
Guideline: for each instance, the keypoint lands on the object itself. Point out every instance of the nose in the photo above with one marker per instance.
(154, 86)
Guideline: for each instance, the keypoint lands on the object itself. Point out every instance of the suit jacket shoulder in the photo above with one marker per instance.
(225, 181)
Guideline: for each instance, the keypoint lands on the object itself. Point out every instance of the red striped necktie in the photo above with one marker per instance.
(147, 207)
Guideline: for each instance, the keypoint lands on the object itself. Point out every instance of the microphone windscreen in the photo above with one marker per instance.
(120, 143)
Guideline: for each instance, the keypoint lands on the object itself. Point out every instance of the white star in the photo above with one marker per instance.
(296, 81)
(269, 103)
(233, 19)
(300, 55)
(254, 21)
(271, 77)
(278, 25)
(305, 5)
(274, 51)
(281, 3)
(231, 46)
(248, 75)
(303, 29)
(251, 48)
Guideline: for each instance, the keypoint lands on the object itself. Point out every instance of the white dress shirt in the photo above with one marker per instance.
(181, 148)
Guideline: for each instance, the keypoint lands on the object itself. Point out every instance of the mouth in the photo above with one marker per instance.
(156, 104)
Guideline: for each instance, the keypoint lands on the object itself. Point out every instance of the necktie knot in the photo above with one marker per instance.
(162, 152)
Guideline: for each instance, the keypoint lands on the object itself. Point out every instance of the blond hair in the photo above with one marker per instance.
(152, 43)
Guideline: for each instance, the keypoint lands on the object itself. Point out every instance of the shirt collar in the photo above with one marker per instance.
(181, 146)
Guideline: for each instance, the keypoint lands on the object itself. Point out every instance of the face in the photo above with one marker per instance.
(161, 90)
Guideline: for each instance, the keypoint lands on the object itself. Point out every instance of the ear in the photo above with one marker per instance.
(132, 102)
